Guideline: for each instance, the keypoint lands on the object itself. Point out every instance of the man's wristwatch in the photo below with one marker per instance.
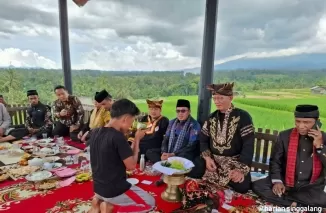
(318, 150)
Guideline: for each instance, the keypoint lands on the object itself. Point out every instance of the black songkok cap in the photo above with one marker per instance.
(32, 92)
(96, 94)
(99, 97)
(306, 111)
(183, 103)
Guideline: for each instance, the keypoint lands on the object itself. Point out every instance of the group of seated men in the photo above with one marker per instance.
(222, 148)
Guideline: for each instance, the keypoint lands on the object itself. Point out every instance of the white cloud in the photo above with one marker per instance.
(24, 58)
(143, 55)
(156, 34)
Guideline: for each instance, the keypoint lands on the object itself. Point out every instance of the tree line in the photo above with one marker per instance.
(140, 85)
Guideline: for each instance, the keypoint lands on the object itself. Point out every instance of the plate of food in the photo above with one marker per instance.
(38, 176)
(51, 159)
(46, 152)
(47, 184)
(23, 170)
(4, 177)
(174, 165)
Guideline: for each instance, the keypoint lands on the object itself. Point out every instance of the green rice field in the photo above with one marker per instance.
(269, 109)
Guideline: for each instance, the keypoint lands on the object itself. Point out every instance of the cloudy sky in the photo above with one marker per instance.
(157, 34)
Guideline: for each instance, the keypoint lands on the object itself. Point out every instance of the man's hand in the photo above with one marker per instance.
(73, 128)
(164, 156)
(279, 189)
(80, 135)
(236, 176)
(139, 134)
(210, 164)
(63, 112)
(317, 136)
(83, 138)
(2, 132)
(31, 131)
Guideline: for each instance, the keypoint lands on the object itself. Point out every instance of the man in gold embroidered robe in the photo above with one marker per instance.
(227, 142)
(156, 125)
(100, 115)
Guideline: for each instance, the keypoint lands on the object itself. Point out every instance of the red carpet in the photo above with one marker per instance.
(21, 196)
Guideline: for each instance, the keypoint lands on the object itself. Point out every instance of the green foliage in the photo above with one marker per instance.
(271, 109)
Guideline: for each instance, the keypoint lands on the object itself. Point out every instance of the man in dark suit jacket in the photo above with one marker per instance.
(297, 162)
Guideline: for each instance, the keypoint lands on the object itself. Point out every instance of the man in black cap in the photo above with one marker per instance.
(104, 99)
(181, 137)
(70, 114)
(100, 116)
(226, 143)
(38, 120)
(298, 164)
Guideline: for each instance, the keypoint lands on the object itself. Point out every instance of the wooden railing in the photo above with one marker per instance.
(264, 140)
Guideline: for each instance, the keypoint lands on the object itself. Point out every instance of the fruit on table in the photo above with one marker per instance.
(174, 164)
(83, 177)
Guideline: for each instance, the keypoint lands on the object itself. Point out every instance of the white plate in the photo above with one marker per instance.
(38, 176)
(133, 181)
(51, 159)
(57, 165)
(27, 147)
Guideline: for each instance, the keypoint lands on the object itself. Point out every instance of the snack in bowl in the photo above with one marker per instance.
(83, 177)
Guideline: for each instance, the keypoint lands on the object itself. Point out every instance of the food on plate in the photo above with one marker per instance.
(23, 162)
(83, 177)
(24, 170)
(2, 148)
(47, 184)
(26, 156)
(174, 164)
(4, 177)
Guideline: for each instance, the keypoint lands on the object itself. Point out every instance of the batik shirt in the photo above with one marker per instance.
(75, 111)
(39, 117)
(229, 134)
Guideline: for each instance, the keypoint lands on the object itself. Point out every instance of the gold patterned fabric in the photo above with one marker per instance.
(99, 118)
(228, 134)
(224, 164)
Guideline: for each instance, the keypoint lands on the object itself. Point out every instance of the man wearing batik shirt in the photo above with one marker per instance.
(181, 138)
(70, 113)
(227, 142)
(156, 127)
(38, 120)
(298, 158)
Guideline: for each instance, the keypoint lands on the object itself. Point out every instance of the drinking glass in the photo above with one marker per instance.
(228, 195)
(45, 135)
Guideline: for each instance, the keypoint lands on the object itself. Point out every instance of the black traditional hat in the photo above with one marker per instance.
(32, 92)
(306, 111)
(96, 94)
(99, 97)
(183, 103)
(222, 89)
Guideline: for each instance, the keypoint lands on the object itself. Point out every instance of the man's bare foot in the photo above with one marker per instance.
(95, 206)
(106, 207)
